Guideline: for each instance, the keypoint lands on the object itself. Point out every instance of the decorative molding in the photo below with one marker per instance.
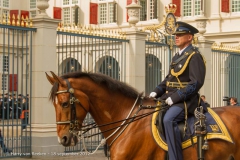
(226, 48)
(133, 11)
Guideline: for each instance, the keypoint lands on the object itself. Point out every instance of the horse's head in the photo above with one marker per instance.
(66, 100)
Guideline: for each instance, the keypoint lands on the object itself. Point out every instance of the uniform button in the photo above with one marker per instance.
(166, 91)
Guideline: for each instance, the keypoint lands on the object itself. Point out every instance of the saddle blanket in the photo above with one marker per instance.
(216, 129)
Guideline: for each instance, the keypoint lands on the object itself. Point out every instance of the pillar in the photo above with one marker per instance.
(44, 59)
(135, 59)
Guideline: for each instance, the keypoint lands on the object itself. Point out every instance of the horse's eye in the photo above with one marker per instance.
(64, 104)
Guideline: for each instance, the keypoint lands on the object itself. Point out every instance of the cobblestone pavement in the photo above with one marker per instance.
(97, 156)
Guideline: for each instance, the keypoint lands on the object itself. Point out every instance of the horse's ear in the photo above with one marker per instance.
(50, 79)
(58, 79)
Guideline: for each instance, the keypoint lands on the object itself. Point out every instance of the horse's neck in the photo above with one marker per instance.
(112, 110)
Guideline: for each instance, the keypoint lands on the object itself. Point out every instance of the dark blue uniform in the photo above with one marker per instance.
(185, 78)
(193, 75)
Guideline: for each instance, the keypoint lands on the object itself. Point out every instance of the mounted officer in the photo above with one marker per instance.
(180, 87)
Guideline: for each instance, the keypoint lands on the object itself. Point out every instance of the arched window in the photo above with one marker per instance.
(153, 73)
(71, 65)
(110, 67)
(233, 76)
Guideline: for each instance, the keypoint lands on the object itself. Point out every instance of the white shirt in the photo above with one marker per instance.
(180, 52)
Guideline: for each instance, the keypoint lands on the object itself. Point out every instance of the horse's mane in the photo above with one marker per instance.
(101, 79)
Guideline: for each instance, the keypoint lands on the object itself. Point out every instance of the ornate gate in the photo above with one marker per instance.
(91, 50)
(16, 89)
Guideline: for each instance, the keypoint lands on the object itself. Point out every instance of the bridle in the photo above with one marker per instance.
(73, 122)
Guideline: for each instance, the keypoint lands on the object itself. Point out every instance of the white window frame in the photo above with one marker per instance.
(71, 7)
(193, 9)
(32, 10)
(4, 9)
(66, 22)
(6, 15)
(4, 82)
(107, 2)
(3, 3)
(4, 71)
(149, 15)
(231, 7)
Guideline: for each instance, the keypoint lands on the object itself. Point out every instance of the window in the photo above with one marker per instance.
(5, 13)
(4, 82)
(65, 2)
(74, 1)
(33, 4)
(5, 63)
(153, 9)
(112, 13)
(103, 13)
(66, 15)
(6, 3)
(68, 11)
(33, 14)
(33, 8)
(235, 5)
(197, 7)
(107, 11)
(192, 7)
(148, 10)
(187, 8)
(143, 10)
(4, 69)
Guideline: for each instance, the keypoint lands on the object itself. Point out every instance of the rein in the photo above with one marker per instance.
(137, 117)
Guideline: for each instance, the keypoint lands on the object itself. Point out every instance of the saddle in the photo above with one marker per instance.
(160, 126)
(215, 129)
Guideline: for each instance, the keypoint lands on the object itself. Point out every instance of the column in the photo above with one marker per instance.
(135, 59)
(206, 50)
(44, 59)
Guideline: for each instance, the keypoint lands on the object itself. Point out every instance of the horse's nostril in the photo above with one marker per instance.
(64, 140)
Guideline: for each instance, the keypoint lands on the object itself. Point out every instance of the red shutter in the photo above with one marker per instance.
(57, 13)
(225, 6)
(128, 2)
(24, 14)
(15, 13)
(178, 11)
(93, 13)
(13, 82)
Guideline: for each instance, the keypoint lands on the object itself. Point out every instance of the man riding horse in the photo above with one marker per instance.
(180, 87)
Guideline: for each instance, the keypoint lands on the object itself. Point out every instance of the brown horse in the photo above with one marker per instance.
(109, 100)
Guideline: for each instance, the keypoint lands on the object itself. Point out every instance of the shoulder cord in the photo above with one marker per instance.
(176, 74)
(103, 141)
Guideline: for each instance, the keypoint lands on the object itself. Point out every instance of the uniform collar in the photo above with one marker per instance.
(185, 49)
